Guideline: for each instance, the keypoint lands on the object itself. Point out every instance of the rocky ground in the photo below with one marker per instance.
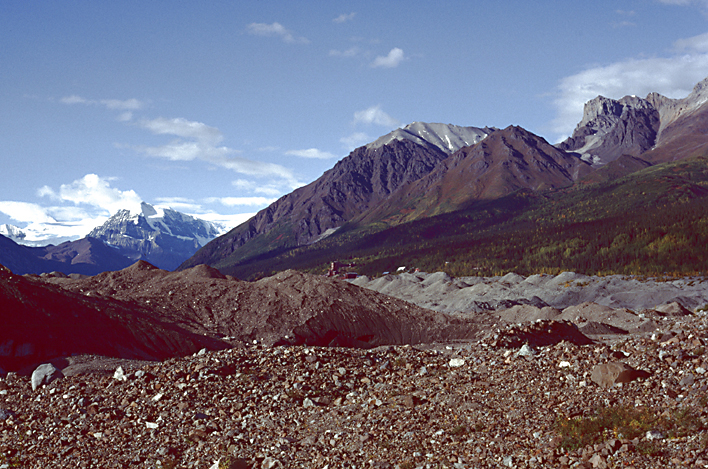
(496, 402)
(543, 371)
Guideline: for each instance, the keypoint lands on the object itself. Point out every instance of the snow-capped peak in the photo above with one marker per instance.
(151, 219)
(13, 232)
(446, 137)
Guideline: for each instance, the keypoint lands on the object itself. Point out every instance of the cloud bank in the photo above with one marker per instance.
(343, 18)
(311, 153)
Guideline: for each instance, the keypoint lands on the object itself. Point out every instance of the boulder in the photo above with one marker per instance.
(607, 375)
(673, 309)
(45, 374)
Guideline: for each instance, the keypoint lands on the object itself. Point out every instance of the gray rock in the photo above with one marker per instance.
(6, 414)
(611, 128)
(687, 380)
(673, 309)
(120, 374)
(526, 351)
(654, 435)
(598, 461)
(269, 463)
(45, 374)
(608, 374)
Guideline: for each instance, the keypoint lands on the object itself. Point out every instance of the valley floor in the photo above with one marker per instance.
(468, 405)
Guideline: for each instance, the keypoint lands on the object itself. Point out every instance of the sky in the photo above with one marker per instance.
(218, 108)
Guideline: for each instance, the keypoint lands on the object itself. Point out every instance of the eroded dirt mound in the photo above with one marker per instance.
(41, 321)
(290, 307)
(143, 312)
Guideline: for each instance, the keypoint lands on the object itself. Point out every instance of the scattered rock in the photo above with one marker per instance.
(608, 374)
(45, 374)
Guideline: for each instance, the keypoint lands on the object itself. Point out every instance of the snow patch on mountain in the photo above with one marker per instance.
(161, 236)
(446, 137)
(13, 232)
(160, 221)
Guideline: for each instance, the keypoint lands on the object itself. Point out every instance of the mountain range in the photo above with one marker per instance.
(413, 173)
(424, 170)
(163, 237)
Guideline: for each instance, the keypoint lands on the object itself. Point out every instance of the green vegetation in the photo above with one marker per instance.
(653, 222)
(625, 422)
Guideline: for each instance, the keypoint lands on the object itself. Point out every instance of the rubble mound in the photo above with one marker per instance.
(538, 334)
(41, 321)
(144, 312)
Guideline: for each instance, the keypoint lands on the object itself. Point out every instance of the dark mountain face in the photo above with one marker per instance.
(402, 181)
(506, 161)
(659, 129)
(354, 185)
(87, 256)
(611, 128)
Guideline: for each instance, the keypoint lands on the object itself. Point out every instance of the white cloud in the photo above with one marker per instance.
(92, 201)
(225, 220)
(73, 99)
(181, 204)
(275, 29)
(344, 17)
(393, 59)
(673, 76)
(183, 128)
(112, 104)
(374, 115)
(270, 190)
(25, 212)
(128, 104)
(94, 191)
(125, 116)
(351, 52)
(198, 141)
(355, 140)
(241, 201)
(312, 153)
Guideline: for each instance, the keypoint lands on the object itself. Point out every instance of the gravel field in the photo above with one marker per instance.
(467, 405)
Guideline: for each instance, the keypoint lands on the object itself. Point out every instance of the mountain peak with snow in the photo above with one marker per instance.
(161, 236)
(445, 137)
(13, 232)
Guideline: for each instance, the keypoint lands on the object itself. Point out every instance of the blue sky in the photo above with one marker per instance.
(218, 108)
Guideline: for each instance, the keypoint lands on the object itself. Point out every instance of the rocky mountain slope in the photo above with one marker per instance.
(393, 176)
(632, 126)
(42, 321)
(362, 180)
(371, 189)
(86, 256)
(506, 161)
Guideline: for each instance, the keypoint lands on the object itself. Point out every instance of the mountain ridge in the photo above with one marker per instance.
(634, 126)
(165, 237)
